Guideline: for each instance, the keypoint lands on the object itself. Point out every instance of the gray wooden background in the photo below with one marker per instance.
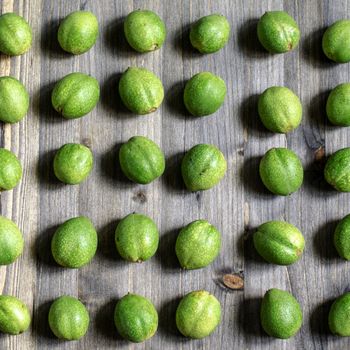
(236, 206)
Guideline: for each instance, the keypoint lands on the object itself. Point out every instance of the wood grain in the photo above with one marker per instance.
(236, 206)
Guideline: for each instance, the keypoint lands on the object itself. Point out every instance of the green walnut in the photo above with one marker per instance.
(337, 171)
(136, 237)
(140, 90)
(280, 109)
(338, 105)
(279, 242)
(141, 160)
(74, 243)
(210, 33)
(14, 315)
(73, 163)
(280, 314)
(281, 171)
(198, 314)
(14, 100)
(78, 32)
(336, 41)
(204, 94)
(144, 30)
(11, 241)
(68, 318)
(197, 245)
(10, 170)
(341, 237)
(278, 32)
(15, 34)
(202, 167)
(75, 95)
(339, 316)
(135, 318)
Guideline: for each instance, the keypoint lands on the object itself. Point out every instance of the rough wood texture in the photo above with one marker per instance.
(236, 206)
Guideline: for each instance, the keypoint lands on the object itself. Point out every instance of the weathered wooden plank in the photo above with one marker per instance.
(319, 277)
(21, 203)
